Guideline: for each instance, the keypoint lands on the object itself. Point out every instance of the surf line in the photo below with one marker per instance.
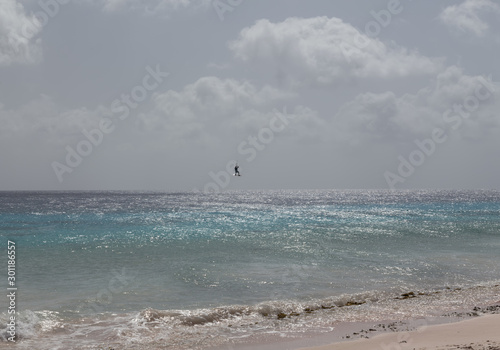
(251, 147)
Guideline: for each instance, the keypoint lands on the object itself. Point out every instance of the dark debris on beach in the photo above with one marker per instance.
(472, 346)
(477, 311)
(309, 310)
(403, 326)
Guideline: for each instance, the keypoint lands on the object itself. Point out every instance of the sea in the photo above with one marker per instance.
(163, 270)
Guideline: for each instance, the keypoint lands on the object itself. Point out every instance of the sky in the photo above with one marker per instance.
(169, 94)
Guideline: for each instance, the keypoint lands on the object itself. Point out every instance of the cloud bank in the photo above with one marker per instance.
(324, 51)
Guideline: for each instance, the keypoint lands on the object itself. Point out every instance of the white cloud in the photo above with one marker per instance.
(213, 109)
(323, 50)
(208, 101)
(466, 17)
(17, 35)
(387, 117)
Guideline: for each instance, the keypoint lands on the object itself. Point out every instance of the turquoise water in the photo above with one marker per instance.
(187, 261)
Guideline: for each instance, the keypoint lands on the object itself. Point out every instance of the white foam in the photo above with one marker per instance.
(222, 326)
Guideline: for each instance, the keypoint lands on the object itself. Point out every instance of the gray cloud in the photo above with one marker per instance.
(43, 120)
(386, 116)
(18, 31)
(468, 17)
(150, 7)
(207, 103)
(354, 102)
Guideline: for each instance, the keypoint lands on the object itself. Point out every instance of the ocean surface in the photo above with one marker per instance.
(150, 270)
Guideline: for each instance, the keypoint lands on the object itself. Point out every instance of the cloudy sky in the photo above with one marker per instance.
(168, 94)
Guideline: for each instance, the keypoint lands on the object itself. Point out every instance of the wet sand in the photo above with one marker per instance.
(479, 333)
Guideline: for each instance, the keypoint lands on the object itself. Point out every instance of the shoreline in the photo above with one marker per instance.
(478, 333)
(476, 329)
(366, 333)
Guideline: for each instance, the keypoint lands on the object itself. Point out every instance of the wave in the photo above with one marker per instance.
(224, 326)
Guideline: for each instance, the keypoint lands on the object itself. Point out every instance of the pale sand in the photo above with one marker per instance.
(480, 333)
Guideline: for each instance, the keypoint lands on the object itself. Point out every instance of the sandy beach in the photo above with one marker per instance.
(480, 333)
